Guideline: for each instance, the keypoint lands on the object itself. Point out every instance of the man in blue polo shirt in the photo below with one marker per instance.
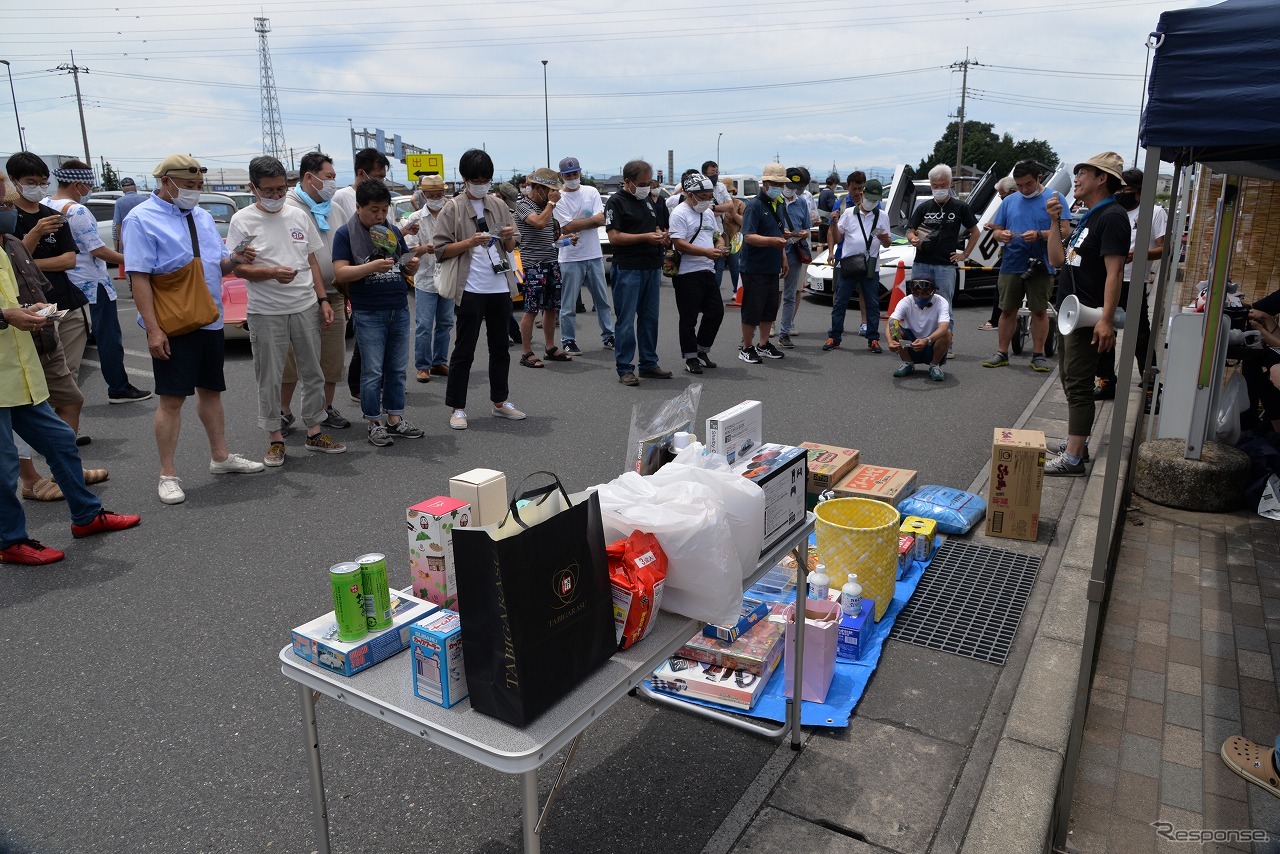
(766, 233)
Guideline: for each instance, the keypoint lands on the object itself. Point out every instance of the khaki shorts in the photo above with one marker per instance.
(1036, 289)
(63, 390)
(333, 347)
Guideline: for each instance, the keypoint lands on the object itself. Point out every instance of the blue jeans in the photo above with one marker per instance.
(106, 333)
(573, 274)
(732, 266)
(433, 323)
(719, 273)
(635, 292)
(869, 292)
(50, 436)
(383, 337)
(790, 295)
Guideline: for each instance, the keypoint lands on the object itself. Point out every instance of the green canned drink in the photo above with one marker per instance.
(348, 601)
(377, 591)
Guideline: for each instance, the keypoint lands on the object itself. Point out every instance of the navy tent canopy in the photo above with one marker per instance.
(1214, 95)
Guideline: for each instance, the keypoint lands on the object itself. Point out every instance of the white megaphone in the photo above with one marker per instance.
(1073, 316)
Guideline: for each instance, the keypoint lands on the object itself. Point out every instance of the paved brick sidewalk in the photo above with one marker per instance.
(1189, 655)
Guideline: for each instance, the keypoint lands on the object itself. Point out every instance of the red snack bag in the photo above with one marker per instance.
(637, 570)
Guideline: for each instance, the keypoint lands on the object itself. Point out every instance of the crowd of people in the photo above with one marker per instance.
(310, 252)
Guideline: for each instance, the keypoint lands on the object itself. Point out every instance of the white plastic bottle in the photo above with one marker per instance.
(819, 583)
(851, 597)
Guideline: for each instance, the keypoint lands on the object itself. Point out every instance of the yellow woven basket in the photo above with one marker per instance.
(860, 535)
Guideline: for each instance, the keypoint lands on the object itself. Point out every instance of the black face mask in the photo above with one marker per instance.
(1128, 201)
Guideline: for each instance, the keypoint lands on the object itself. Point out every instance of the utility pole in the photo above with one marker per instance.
(964, 91)
(75, 71)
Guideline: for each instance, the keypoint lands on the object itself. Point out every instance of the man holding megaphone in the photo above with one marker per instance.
(1092, 264)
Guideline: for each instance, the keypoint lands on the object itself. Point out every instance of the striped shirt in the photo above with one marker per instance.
(537, 245)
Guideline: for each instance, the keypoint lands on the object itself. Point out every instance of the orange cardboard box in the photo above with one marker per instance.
(1017, 478)
(827, 465)
(879, 482)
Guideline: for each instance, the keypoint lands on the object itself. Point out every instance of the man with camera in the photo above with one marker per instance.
(1025, 230)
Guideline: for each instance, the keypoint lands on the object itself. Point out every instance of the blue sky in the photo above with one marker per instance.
(811, 82)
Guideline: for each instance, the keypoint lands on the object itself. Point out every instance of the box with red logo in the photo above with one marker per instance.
(780, 471)
(317, 641)
(431, 566)
(879, 482)
(1017, 477)
(828, 465)
(756, 651)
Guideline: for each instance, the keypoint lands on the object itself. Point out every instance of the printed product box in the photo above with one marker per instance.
(906, 553)
(317, 641)
(925, 532)
(432, 572)
(485, 490)
(854, 633)
(646, 610)
(828, 465)
(753, 611)
(737, 431)
(879, 482)
(756, 651)
(780, 471)
(1017, 477)
(436, 642)
(737, 689)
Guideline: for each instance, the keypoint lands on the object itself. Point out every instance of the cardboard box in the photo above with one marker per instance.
(1017, 477)
(485, 490)
(736, 431)
(432, 572)
(906, 553)
(780, 471)
(624, 600)
(317, 641)
(854, 633)
(925, 532)
(753, 611)
(879, 482)
(737, 689)
(756, 651)
(436, 642)
(828, 465)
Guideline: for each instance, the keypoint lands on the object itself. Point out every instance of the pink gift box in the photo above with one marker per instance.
(821, 625)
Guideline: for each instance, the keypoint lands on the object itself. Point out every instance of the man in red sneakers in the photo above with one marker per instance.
(24, 409)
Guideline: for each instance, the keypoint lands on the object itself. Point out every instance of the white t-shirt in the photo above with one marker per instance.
(425, 279)
(342, 208)
(481, 279)
(685, 221)
(922, 321)
(581, 203)
(853, 242)
(1159, 225)
(284, 239)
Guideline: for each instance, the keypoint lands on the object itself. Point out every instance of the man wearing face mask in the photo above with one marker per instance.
(75, 183)
(631, 221)
(920, 329)
(934, 230)
(1127, 198)
(696, 238)
(313, 195)
(370, 163)
(860, 233)
(799, 253)
(580, 212)
(160, 236)
(1023, 226)
(766, 233)
(287, 304)
(542, 284)
(722, 203)
(433, 314)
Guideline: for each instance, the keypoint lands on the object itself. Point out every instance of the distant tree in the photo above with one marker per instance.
(590, 182)
(983, 147)
(517, 178)
(110, 179)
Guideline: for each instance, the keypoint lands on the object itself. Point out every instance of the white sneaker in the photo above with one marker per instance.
(506, 410)
(235, 464)
(170, 491)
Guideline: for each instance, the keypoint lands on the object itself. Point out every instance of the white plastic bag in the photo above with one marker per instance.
(1269, 506)
(743, 500)
(1233, 400)
(703, 578)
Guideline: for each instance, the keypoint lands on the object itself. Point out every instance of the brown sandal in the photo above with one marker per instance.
(555, 354)
(92, 476)
(44, 490)
(1252, 761)
(530, 361)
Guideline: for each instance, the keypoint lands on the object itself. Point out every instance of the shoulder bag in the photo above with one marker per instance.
(181, 299)
(856, 266)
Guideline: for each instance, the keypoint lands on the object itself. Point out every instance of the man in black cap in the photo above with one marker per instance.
(127, 202)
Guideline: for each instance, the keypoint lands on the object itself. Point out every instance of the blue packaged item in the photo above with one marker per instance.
(955, 510)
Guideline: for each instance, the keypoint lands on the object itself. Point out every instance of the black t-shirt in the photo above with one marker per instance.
(630, 215)
(52, 245)
(944, 222)
(1105, 231)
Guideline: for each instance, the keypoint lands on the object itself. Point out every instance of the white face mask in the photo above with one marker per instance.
(33, 194)
(641, 193)
(1033, 193)
(479, 191)
(941, 196)
(573, 185)
(433, 204)
(788, 193)
(869, 205)
(271, 205)
(328, 189)
(655, 191)
(187, 199)
(526, 191)
(702, 207)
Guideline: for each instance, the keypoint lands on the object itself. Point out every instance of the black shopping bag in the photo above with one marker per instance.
(535, 603)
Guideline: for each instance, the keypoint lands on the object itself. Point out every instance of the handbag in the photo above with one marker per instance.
(535, 601)
(181, 298)
(821, 621)
(857, 266)
(671, 258)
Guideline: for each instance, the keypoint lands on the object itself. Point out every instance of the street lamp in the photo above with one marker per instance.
(546, 108)
(718, 147)
(22, 143)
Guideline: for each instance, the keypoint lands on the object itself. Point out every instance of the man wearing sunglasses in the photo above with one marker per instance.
(920, 329)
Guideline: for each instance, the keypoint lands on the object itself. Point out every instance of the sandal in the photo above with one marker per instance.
(1253, 762)
(987, 326)
(555, 354)
(92, 476)
(530, 361)
(44, 490)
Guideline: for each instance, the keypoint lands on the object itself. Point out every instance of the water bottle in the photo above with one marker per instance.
(819, 583)
(565, 241)
(851, 597)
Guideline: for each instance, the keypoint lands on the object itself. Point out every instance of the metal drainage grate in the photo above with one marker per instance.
(969, 602)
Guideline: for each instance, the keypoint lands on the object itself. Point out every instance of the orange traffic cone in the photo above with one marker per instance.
(899, 290)
(736, 302)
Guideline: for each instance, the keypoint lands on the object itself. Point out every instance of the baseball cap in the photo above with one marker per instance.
(545, 177)
(180, 165)
(874, 190)
(128, 182)
(697, 183)
(570, 164)
(507, 190)
(795, 176)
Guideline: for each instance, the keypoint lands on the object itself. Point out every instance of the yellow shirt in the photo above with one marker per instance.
(21, 376)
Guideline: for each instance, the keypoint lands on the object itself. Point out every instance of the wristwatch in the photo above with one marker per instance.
(322, 299)
(4, 324)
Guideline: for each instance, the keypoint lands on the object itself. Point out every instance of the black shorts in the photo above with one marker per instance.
(761, 294)
(195, 361)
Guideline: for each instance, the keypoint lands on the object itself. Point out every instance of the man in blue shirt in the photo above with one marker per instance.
(798, 252)
(766, 232)
(130, 200)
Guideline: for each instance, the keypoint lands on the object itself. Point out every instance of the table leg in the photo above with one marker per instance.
(530, 811)
(320, 813)
(801, 555)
